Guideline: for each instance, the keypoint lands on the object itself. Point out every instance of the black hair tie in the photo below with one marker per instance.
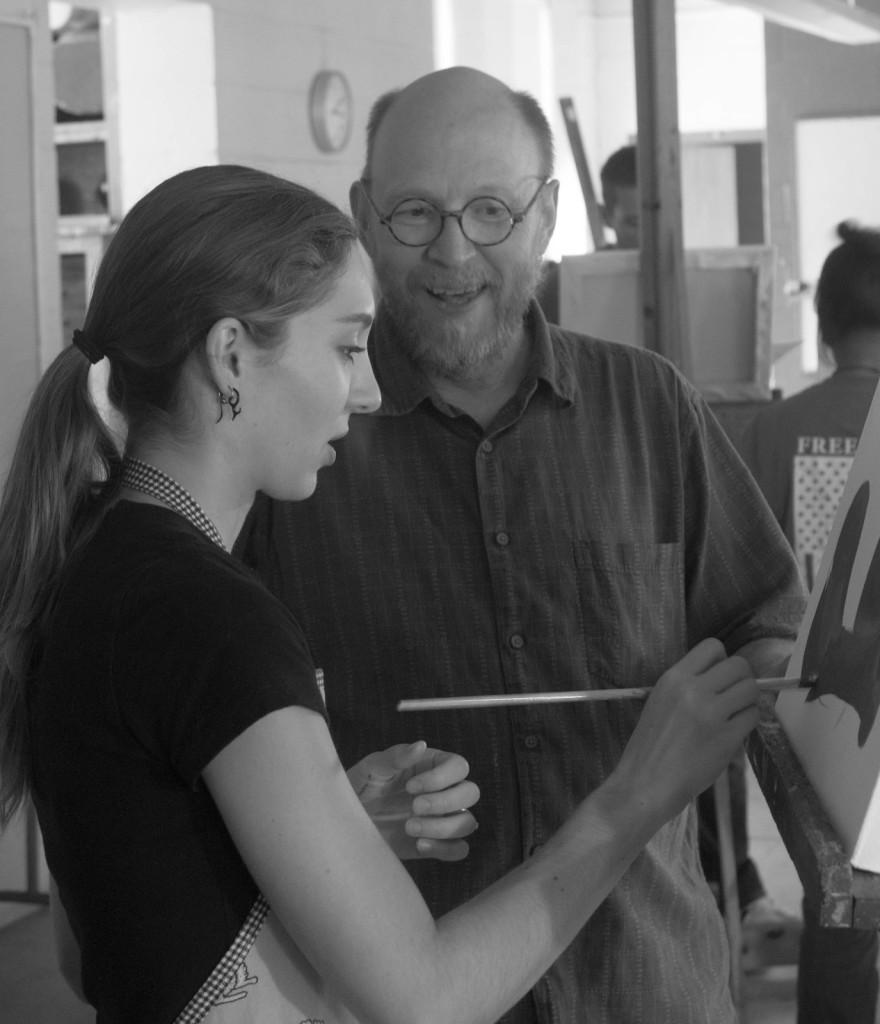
(88, 348)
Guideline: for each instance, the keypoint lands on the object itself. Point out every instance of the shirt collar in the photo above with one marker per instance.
(404, 386)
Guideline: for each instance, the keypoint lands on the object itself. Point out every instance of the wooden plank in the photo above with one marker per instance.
(729, 888)
(594, 213)
(662, 252)
(844, 897)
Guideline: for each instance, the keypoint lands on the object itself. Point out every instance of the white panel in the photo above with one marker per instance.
(708, 196)
(29, 288)
(163, 98)
(19, 283)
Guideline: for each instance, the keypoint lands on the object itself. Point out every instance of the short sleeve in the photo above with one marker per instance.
(208, 656)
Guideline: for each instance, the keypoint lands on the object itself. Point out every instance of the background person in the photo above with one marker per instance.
(800, 451)
(530, 509)
(621, 203)
(213, 860)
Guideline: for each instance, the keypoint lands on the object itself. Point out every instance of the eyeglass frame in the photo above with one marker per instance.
(515, 218)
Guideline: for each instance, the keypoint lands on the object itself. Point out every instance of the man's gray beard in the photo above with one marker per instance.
(444, 349)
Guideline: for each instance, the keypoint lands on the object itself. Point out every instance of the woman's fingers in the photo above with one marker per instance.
(447, 801)
(437, 770)
(449, 826)
(441, 849)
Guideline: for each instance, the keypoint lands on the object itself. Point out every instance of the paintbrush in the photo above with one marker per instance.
(500, 700)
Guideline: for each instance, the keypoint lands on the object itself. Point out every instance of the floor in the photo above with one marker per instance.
(769, 997)
(32, 991)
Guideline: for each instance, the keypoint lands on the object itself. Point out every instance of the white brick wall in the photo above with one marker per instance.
(266, 55)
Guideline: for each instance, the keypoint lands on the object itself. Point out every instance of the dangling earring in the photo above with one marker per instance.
(233, 401)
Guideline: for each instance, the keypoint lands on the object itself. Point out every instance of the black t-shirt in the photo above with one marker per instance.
(160, 651)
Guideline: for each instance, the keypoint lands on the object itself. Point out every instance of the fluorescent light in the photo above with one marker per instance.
(839, 21)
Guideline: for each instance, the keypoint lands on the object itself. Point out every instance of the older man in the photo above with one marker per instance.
(529, 510)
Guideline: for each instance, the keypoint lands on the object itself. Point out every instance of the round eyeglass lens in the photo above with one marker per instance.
(484, 220)
(415, 222)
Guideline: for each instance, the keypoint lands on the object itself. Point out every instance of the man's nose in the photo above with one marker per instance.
(451, 246)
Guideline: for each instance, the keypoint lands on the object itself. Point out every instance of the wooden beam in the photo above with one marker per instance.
(594, 213)
(664, 297)
(843, 896)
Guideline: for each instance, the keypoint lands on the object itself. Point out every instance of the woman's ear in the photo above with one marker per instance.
(223, 349)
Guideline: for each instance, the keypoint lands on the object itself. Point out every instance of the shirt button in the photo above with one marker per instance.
(517, 641)
(502, 539)
(532, 742)
(486, 447)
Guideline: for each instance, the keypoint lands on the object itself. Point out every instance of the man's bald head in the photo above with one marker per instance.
(454, 93)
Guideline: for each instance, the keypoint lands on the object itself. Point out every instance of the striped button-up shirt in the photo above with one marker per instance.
(600, 527)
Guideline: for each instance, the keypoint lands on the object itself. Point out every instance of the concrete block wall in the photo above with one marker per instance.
(265, 58)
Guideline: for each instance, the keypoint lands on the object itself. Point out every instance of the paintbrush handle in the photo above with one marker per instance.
(559, 697)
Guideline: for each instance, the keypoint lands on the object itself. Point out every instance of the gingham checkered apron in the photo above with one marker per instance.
(263, 979)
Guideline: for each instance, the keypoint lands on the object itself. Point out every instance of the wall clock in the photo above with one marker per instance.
(330, 110)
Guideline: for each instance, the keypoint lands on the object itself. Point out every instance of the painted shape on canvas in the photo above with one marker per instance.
(832, 721)
(837, 659)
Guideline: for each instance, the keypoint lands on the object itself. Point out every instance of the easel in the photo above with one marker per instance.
(844, 896)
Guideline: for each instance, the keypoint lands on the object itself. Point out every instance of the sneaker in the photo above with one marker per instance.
(770, 936)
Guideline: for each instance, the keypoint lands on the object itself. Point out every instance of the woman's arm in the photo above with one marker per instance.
(358, 917)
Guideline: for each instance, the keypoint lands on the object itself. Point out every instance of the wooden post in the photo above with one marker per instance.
(664, 298)
(594, 213)
(729, 887)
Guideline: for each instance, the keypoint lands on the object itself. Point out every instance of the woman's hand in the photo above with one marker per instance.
(418, 798)
(697, 715)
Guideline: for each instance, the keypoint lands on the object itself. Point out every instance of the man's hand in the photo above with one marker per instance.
(418, 798)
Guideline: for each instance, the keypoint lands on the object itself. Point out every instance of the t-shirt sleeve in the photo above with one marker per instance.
(208, 661)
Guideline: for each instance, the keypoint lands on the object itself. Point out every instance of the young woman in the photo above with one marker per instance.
(213, 860)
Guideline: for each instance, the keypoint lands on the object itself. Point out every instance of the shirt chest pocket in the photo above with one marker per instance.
(632, 609)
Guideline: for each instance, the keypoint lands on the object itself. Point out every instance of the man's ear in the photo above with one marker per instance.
(360, 210)
(548, 208)
(223, 349)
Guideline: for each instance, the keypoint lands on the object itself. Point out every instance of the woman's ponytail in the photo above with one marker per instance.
(63, 472)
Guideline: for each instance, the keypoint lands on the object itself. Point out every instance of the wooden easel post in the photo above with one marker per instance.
(729, 887)
(594, 213)
(664, 297)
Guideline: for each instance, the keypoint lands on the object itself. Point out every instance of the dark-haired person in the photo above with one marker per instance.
(621, 203)
(800, 451)
(213, 860)
(529, 510)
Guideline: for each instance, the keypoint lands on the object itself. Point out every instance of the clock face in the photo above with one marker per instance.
(330, 110)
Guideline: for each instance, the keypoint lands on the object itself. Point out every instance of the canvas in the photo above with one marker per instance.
(832, 720)
(729, 312)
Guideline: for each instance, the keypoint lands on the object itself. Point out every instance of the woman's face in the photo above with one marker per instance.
(318, 376)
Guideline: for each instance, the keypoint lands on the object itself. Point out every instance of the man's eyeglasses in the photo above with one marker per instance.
(484, 220)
